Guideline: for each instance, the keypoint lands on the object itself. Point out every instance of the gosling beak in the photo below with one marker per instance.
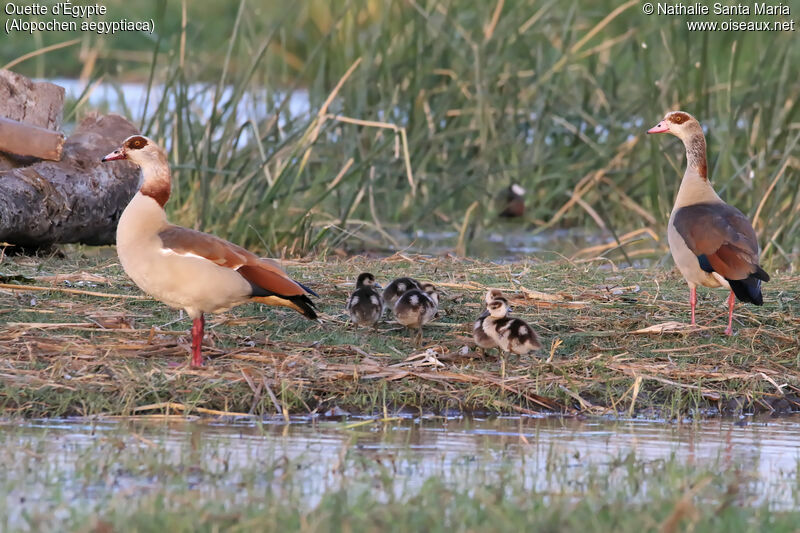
(113, 156)
(661, 127)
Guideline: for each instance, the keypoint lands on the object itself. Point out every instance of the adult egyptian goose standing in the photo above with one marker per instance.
(187, 269)
(713, 243)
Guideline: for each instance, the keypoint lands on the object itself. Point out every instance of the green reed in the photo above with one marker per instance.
(461, 99)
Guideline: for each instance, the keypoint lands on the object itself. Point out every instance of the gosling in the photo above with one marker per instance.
(417, 307)
(396, 288)
(365, 305)
(481, 338)
(512, 335)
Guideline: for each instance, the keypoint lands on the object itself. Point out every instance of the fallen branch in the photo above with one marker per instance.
(24, 288)
(26, 140)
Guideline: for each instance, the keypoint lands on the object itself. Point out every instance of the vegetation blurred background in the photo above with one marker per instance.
(312, 125)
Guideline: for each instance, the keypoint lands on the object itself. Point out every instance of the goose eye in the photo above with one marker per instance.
(137, 143)
(678, 118)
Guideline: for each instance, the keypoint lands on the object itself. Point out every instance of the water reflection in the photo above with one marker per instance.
(413, 449)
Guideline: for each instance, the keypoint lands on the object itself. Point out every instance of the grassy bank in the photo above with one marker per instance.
(80, 354)
(420, 112)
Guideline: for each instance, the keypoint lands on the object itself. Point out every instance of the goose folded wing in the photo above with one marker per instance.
(263, 274)
(722, 238)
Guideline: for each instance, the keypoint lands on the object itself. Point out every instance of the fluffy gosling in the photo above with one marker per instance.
(481, 338)
(512, 335)
(396, 288)
(365, 305)
(416, 307)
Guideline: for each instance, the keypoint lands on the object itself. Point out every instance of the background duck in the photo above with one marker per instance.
(365, 305)
(396, 288)
(482, 340)
(713, 244)
(187, 269)
(416, 307)
(511, 201)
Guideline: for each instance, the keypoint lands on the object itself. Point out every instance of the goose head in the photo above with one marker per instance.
(491, 294)
(365, 279)
(498, 308)
(140, 150)
(430, 290)
(679, 123)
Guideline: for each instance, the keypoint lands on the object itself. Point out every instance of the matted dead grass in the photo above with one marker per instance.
(79, 339)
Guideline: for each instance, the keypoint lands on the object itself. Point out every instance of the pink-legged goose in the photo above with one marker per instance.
(187, 269)
(713, 243)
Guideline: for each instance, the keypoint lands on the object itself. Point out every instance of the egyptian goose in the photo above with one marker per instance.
(512, 335)
(713, 244)
(187, 269)
(482, 340)
(365, 305)
(396, 288)
(416, 307)
(512, 201)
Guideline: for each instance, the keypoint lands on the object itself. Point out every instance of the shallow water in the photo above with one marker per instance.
(549, 455)
(131, 99)
(504, 241)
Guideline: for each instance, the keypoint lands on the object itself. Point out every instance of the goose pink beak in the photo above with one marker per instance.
(661, 127)
(113, 156)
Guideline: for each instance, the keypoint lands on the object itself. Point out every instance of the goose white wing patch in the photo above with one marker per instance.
(170, 251)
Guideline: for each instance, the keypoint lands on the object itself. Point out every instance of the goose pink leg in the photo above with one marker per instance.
(731, 302)
(198, 324)
(693, 302)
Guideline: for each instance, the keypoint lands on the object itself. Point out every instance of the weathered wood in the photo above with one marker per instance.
(35, 103)
(77, 199)
(26, 140)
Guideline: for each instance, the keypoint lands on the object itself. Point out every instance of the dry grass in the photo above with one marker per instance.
(75, 353)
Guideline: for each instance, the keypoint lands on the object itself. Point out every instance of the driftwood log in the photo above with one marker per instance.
(77, 199)
(35, 103)
(26, 103)
(25, 140)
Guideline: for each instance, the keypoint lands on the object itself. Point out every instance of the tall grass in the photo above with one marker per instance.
(470, 96)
